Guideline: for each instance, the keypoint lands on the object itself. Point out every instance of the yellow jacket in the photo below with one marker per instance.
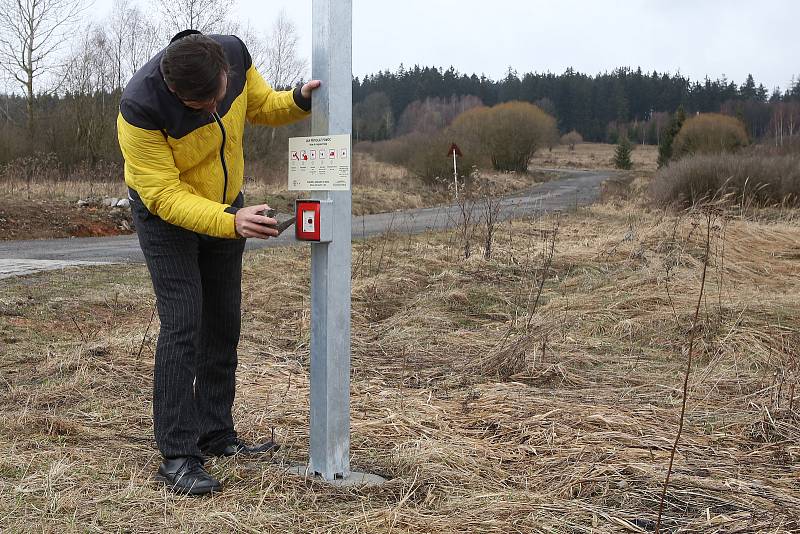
(188, 166)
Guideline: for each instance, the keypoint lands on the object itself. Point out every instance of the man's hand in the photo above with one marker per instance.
(309, 87)
(250, 223)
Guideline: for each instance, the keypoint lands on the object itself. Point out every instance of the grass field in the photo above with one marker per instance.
(595, 156)
(491, 407)
(45, 207)
(377, 187)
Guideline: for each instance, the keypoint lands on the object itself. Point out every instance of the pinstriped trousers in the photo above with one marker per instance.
(197, 282)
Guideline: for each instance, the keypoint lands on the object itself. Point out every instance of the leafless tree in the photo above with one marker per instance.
(284, 67)
(142, 40)
(434, 113)
(32, 34)
(92, 73)
(253, 39)
(256, 45)
(130, 40)
(206, 16)
(117, 28)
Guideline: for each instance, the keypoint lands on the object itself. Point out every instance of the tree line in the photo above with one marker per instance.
(64, 73)
(599, 107)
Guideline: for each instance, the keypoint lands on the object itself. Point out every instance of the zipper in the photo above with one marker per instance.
(222, 155)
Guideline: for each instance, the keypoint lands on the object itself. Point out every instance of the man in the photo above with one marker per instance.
(180, 128)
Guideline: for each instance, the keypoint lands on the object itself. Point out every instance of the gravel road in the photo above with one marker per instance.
(576, 188)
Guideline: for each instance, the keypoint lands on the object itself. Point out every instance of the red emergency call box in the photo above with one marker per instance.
(314, 220)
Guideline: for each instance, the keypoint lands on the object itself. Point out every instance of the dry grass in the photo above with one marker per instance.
(595, 156)
(748, 180)
(66, 190)
(485, 419)
(380, 187)
(377, 187)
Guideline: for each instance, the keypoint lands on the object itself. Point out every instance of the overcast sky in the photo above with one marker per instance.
(696, 37)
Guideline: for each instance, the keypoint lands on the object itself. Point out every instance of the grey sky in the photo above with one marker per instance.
(697, 37)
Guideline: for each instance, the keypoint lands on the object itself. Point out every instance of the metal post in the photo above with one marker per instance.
(329, 448)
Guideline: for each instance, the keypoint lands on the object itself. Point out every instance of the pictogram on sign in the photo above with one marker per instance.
(319, 163)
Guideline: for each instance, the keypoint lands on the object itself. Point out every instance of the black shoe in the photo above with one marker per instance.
(186, 475)
(238, 447)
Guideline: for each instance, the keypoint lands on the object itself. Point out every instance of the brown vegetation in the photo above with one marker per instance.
(594, 156)
(434, 114)
(709, 133)
(36, 202)
(502, 138)
(749, 180)
(424, 156)
(571, 139)
(485, 415)
(508, 135)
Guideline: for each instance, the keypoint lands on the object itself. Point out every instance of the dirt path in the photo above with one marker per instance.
(579, 188)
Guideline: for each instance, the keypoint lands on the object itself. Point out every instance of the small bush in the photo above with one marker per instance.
(425, 155)
(571, 139)
(759, 180)
(507, 135)
(709, 133)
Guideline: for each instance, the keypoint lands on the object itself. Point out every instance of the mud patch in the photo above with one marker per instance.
(48, 219)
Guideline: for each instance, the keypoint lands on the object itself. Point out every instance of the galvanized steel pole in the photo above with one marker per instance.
(329, 448)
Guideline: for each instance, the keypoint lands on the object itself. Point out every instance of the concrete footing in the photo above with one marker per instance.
(355, 479)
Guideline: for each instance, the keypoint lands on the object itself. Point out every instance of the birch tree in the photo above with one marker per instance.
(33, 34)
(206, 16)
(131, 41)
(142, 40)
(283, 66)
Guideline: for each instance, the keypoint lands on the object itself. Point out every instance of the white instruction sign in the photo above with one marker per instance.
(320, 163)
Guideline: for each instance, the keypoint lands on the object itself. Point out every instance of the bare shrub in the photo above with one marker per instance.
(571, 139)
(491, 205)
(508, 134)
(614, 188)
(269, 173)
(710, 133)
(41, 174)
(789, 146)
(434, 114)
(505, 137)
(466, 224)
(426, 155)
(755, 180)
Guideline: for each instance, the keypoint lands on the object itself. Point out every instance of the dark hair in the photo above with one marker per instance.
(192, 65)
